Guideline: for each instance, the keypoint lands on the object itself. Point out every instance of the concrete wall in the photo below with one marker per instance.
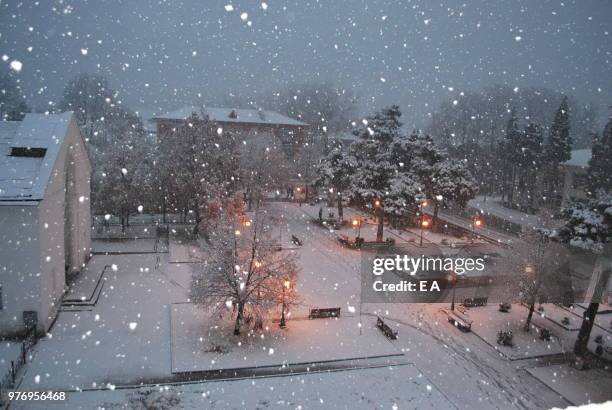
(19, 265)
(37, 255)
(64, 224)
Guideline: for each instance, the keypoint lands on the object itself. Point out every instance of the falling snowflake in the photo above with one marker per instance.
(16, 65)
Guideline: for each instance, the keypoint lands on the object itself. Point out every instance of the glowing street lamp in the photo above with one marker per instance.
(286, 285)
(424, 225)
(357, 224)
(377, 203)
(476, 223)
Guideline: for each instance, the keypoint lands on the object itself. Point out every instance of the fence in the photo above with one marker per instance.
(7, 382)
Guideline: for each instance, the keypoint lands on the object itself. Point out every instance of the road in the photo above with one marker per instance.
(469, 372)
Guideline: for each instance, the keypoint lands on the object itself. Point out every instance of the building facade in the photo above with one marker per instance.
(44, 217)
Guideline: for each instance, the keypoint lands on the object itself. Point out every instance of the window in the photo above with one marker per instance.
(28, 152)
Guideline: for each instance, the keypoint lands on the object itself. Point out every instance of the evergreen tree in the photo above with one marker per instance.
(528, 163)
(600, 165)
(13, 105)
(378, 180)
(557, 150)
(335, 171)
(510, 146)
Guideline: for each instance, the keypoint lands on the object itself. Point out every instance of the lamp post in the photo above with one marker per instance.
(424, 225)
(454, 281)
(381, 215)
(357, 223)
(476, 223)
(286, 285)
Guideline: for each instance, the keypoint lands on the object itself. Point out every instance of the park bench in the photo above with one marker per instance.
(475, 302)
(296, 241)
(390, 333)
(322, 313)
(459, 320)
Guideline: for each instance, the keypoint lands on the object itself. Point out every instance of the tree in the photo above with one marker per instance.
(542, 269)
(558, 148)
(600, 164)
(335, 171)
(204, 164)
(442, 179)
(510, 146)
(122, 178)
(326, 107)
(529, 161)
(263, 167)
(244, 272)
(13, 106)
(589, 227)
(379, 179)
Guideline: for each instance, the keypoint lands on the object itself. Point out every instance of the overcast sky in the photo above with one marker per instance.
(413, 53)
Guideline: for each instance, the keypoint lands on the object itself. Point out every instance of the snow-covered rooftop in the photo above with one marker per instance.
(25, 176)
(580, 158)
(235, 115)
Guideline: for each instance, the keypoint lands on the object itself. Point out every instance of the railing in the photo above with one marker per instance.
(7, 382)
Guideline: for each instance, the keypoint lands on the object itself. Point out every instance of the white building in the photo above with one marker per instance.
(44, 216)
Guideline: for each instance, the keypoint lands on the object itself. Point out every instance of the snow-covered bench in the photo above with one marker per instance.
(458, 319)
(475, 302)
(322, 313)
(390, 333)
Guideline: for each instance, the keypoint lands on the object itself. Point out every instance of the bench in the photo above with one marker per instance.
(296, 240)
(323, 313)
(459, 320)
(475, 302)
(390, 333)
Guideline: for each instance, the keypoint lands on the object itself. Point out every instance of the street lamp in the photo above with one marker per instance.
(476, 223)
(357, 223)
(286, 285)
(424, 225)
(453, 278)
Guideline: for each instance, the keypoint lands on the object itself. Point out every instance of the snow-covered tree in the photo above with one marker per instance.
(13, 106)
(243, 272)
(204, 165)
(600, 165)
(589, 226)
(379, 179)
(437, 175)
(263, 167)
(122, 179)
(557, 149)
(326, 107)
(529, 162)
(335, 171)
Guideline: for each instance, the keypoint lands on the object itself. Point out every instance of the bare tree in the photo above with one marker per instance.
(244, 272)
(264, 166)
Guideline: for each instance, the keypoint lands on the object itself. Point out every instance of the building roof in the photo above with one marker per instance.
(24, 177)
(232, 115)
(579, 158)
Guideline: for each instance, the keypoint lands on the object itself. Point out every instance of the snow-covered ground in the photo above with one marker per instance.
(126, 339)
(493, 206)
(352, 389)
(195, 337)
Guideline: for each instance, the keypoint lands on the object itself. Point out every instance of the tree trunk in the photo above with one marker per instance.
(434, 221)
(122, 224)
(239, 318)
(529, 316)
(379, 230)
(198, 219)
(580, 348)
(340, 208)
